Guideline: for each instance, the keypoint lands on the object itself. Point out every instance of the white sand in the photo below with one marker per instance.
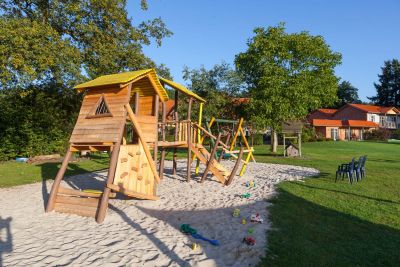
(143, 233)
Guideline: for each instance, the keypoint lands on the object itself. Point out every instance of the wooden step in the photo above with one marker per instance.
(73, 192)
(76, 209)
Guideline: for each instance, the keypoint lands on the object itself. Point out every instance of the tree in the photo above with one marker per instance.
(388, 88)
(57, 39)
(347, 93)
(287, 75)
(218, 86)
(47, 47)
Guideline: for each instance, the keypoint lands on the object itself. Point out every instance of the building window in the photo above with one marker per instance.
(334, 134)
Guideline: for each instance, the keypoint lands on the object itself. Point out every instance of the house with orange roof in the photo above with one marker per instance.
(352, 120)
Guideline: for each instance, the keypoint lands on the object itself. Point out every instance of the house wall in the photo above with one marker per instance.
(350, 113)
(373, 117)
(101, 129)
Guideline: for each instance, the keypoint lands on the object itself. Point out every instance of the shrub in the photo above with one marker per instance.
(308, 134)
(378, 135)
(396, 134)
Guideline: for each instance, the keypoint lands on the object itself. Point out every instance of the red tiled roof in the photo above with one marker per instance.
(328, 111)
(359, 123)
(344, 123)
(373, 109)
(321, 122)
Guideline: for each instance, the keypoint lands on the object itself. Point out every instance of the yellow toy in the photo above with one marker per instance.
(236, 213)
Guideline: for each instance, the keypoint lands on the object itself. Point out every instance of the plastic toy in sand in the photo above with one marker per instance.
(195, 246)
(247, 195)
(185, 228)
(250, 231)
(244, 221)
(236, 213)
(256, 218)
(250, 184)
(249, 240)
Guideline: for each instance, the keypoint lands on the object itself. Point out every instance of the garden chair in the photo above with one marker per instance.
(346, 169)
(357, 168)
(362, 172)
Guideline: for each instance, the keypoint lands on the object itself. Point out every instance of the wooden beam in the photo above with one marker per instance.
(233, 173)
(156, 109)
(145, 147)
(189, 140)
(73, 192)
(211, 159)
(137, 103)
(162, 159)
(246, 143)
(101, 214)
(56, 184)
(175, 156)
(236, 134)
(132, 193)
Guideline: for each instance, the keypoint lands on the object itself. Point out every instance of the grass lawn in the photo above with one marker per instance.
(322, 223)
(316, 222)
(14, 173)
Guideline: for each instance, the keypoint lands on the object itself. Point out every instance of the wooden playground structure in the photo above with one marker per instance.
(120, 114)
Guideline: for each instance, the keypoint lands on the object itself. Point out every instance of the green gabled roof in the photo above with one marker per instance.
(182, 88)
(126, 78)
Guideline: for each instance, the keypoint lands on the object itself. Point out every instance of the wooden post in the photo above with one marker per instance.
(101, 214)
(174, 158)
(233, 173)
(155, 150)
(137, 103)
(300, 144)
(199, 136)
(56, 184)
(284, 145)
(246, 143)
(211, 159)
(189, 140)
(164, 120)
(236, 134)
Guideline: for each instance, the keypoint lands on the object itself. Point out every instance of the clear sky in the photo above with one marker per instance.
(208, 32)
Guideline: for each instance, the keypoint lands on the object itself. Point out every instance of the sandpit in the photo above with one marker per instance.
(143, 233)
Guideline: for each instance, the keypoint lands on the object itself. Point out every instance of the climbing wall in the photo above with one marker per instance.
(133, 173)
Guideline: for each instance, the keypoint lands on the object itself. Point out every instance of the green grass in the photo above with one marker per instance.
(322, 223)
(14, 173)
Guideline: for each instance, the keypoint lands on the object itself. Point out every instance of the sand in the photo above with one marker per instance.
(143, 232)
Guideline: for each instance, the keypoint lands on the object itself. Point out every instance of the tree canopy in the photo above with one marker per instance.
(47, 47)
(347, 93)
(287, 74)
(388, 88)
(219, 86)
(62, 39)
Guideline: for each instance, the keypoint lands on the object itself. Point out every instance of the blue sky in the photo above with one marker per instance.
(366, 33)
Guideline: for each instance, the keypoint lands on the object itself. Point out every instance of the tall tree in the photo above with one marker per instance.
(287, 75)
(388, 88)
(218, 86)
(347, 93)
(57, 39)
(46, 47)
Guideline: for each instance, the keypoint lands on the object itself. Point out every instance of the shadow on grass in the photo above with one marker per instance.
(346, 193)
(307, 234)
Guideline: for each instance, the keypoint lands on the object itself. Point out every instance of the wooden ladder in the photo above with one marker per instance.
(77, 202)
(216, 168)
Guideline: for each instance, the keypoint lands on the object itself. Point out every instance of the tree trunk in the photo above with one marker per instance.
(274, 141)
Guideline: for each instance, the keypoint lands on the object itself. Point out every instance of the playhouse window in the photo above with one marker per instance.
(100, 110)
